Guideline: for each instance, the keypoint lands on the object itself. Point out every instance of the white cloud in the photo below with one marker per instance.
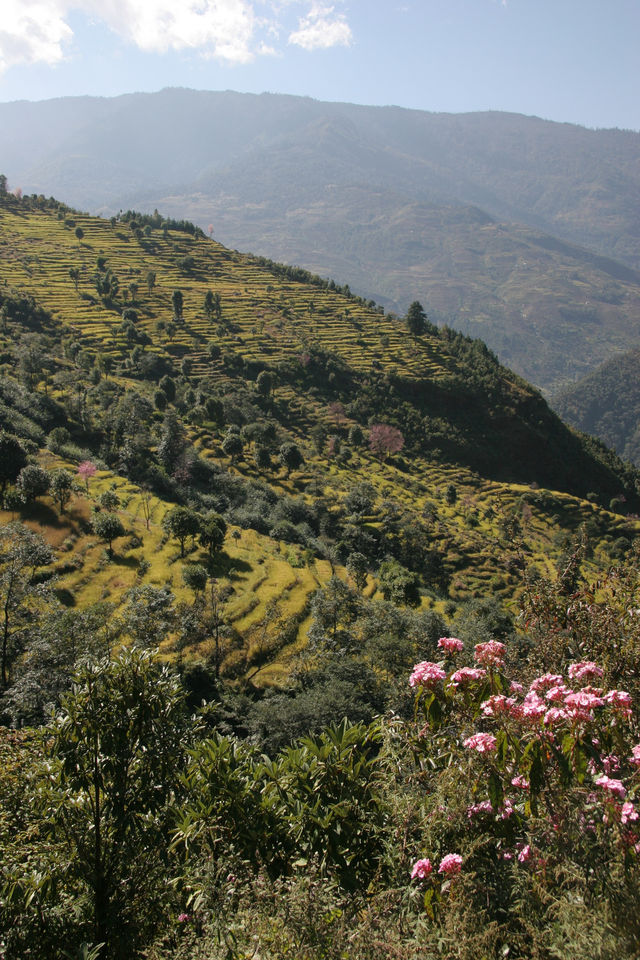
(322, 28)
(32, 31)
(235, 31)
(217, 28)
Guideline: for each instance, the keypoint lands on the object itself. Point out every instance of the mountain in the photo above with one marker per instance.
(517, 229)
(606, 403)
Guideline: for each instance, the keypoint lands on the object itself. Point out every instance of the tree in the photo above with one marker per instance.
(290, 456)
(168, 387)
(173, 441)
(148, 615)
(21, 554)
(357, 569)
(181, 523)
(108, 527)
(232, 446)
(86, 470)
(398, 584)
(416, 319)
(361, 499)
(3, 185)
(115, 756)
(213, 530)
(109, 501)
(74, 273)
(151, 280)
(33, 482)
(177, 302)
(262, 457)
(79, 233)
(13, 457)
(209, 304)
(61, 487)
(264, 383)
(384, 440)
(195, 577)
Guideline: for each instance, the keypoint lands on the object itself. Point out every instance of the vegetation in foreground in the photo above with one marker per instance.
(497, 817)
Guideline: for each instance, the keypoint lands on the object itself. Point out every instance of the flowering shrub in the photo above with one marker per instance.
(550, 773)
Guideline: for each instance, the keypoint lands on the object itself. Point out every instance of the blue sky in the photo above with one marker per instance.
(559, 59)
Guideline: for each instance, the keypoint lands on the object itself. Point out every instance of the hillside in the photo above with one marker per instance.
(606, 403)
(195, 404)
(385, 199)
(301, 614)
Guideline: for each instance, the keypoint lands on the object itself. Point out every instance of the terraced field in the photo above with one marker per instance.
(486, 536)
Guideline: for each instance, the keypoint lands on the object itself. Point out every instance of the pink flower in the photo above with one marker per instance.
(520, 782)
(489, 654)
(421, 869)
(628, 813)
(557, 693)
(620, 700)
(476, 808)
(426, 674)
(554, 715)
(506, 810)
(635, 756)
(516, 687)
(615, 787)
(183, 917)
(450, 865)
(482, 742)
(586, 670)
(525, 853)
(497, 704)
(466, 675)
(546, 681)
(580, 705)
(450, 644)
(533, 707)
(611, 764)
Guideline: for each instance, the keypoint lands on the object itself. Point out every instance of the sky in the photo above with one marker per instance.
(575, 61)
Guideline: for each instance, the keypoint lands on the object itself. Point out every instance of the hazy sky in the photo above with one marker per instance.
(567, 60)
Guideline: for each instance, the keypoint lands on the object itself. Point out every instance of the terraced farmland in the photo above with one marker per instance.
(467, 501)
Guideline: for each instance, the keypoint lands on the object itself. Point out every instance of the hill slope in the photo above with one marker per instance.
(606, 403)
(198, 399)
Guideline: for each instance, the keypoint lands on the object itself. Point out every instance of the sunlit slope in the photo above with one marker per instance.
(523, 484)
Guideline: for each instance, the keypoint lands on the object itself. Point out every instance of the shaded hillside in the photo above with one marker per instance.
(378, 198)
(607, 404)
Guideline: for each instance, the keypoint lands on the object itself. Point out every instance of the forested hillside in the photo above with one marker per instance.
(606, 404)
(246, 518)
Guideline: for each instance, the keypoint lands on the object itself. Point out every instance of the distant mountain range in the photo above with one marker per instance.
(515, 229)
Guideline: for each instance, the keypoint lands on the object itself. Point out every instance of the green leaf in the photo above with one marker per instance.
(496, 791)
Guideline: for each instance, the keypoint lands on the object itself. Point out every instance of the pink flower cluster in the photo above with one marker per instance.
(489, 654)
(421, 869)
(586, 670)
(498, 704)
(450, 865)
(482, 742)
(466, 675)
(450, 644)
(426, 674)
(615, 787)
